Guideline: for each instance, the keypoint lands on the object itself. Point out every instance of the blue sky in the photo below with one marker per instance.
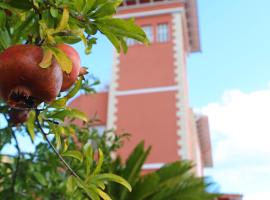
(235, 49)
(228, 81)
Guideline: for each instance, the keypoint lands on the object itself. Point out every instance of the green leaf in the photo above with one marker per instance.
(47, 58)
(103, 195)
(75, 89)
(59, 103)
(64, 20)
(30, 124)
(54, 12)
(106, 9)
(88, 154)
(3, 19)
(71, 39)
(100, 162)
(71, 184)
(22, 27)
(57, 131)
(74, 154)
(90, 190)
(6, 6)
(79, 5)
(113, 39)
(88, 6)
(110, 177)
(40, 178)
(123, 28)
(5, 39)
(71, 113)
(62, 59)
(133, 166)
(21, 4)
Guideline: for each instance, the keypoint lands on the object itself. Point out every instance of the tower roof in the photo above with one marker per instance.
(128, 8)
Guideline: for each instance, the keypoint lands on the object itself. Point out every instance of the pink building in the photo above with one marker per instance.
(148, 95)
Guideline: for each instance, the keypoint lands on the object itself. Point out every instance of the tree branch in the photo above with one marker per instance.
(53, 148)
(14, 176)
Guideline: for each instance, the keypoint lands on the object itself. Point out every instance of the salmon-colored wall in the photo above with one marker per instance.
(150, 117)
(94, 105)
(151, 7)
(144, 67)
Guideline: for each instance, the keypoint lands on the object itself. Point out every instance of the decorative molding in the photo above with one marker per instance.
(178, 47)
(148, 4)
(150, 13)
(147, 90)
(149, 166)
(112, 100)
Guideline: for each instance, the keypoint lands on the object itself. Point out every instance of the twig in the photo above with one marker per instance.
(53, 148)
(14, 176)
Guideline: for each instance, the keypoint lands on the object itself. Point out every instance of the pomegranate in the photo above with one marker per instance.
(17, 116)
(72, 54)
(23, 83)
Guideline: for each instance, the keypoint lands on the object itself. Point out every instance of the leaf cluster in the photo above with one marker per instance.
(50, 22)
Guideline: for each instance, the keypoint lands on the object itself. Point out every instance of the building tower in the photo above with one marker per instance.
(148, 95)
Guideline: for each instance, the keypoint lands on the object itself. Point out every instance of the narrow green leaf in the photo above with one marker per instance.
(62, 59)
(103, 195)
(88, 6)
(47, 58)
(21, 4)
(30, 124)
(100, 162)
(64, 20)
(88, 154)
(71, 39)
(71, 184)
(75, 89)
(23, 26)
(59, 103)
(79, 4)
(90, 190)
(56, 130)
(5, 39)
(73, 154)
(40, 178)
(70, 113)
(113, 39)
(54, 12)
(110, 177)
(3, 18)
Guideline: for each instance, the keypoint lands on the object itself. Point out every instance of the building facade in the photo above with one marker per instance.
(148, 95)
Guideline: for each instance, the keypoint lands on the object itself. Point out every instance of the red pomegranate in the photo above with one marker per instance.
(17, 116)
(72, 54)
(23, 83)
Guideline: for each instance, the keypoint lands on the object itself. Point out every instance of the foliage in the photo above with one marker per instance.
(49, 22)
(42, 174)
(174, 181)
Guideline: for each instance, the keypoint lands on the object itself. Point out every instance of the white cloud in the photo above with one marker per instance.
(240, 128)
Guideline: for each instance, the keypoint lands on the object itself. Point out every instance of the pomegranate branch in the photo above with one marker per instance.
(53, 147)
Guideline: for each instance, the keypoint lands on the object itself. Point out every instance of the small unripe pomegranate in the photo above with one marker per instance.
(17, 116)
(72, 54)
(23, 83)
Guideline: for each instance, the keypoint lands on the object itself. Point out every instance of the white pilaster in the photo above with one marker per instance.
(178, 47)
(112, 101)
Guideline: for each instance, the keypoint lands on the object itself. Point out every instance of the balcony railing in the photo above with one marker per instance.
(128, 3)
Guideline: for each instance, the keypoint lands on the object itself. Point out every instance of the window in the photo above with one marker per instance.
(149, 32)
(162, 33)
(130, 41)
